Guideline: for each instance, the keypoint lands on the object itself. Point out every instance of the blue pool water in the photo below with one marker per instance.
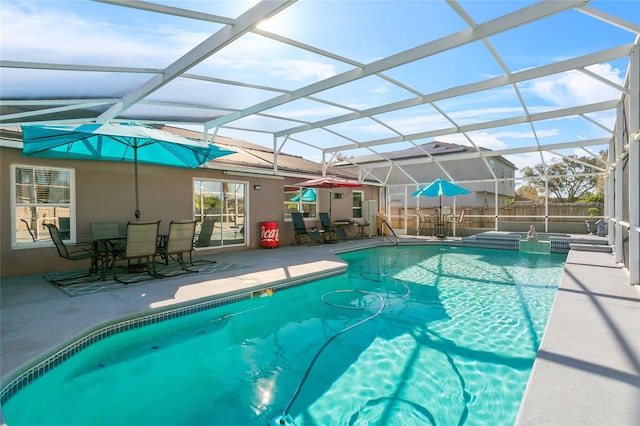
(408, 336)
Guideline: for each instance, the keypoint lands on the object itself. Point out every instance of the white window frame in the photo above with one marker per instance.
(44, 241)
(353, 207)
(300, 203)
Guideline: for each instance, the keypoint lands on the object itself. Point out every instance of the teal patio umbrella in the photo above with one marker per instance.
(128, 142)
(440, 187)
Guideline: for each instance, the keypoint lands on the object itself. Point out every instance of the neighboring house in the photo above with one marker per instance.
(239, 191)
(406, 170)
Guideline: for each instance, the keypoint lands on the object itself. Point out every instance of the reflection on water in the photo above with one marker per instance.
(425, 335)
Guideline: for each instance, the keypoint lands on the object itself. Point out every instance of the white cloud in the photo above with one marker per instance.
(42, 35)
(575, 87)
(300, 70)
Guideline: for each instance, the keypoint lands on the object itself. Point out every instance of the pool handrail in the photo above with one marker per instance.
(385, 223)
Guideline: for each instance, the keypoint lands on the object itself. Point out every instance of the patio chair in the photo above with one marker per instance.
(83, 252)
(104, 230)
(206, 230)
(179, 241)
(300, 232)
(65, 227)
(325, 222)
(427, 223)
(141, 243)
(459, 222)
(33, 237)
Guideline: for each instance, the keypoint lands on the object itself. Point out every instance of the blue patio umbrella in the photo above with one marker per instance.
(128, 142)
(440, 187)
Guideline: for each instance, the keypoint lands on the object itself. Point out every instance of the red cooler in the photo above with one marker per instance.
(269, 235)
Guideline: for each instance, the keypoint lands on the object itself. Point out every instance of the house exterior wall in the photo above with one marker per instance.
(104, 191)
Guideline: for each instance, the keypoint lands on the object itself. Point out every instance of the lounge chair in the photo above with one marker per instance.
(141, 243)
(302, 234)
(325, 222)
(179, 241)
(82, 252)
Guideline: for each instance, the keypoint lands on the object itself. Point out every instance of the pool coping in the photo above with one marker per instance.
(298, 263)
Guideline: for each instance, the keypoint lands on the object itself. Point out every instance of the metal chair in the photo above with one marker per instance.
(300, 232)
(179, 241)
(426, 225)
(85, 251)
(141, 243)
(104, 230)
(458, 222)
(33, 237)
(325, 222)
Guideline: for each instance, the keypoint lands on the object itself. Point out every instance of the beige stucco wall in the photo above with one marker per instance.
(105, 192)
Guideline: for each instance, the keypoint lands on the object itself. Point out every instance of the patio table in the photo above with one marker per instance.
(106, 246)
(441, 225)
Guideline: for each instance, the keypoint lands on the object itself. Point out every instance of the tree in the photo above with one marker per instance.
(528, 191)
(339, 157)
(566, 180)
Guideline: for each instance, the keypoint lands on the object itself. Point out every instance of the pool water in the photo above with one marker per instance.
(410, 335)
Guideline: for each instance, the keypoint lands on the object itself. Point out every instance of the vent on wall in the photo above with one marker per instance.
(338, 195)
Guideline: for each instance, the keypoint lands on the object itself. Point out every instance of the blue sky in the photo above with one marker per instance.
(92, 33)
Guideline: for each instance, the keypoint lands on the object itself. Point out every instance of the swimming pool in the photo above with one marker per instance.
(409, 335)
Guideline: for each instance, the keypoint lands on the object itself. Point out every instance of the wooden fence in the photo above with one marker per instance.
(561, 218)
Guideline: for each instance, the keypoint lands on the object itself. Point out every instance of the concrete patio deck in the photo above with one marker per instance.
(587, 371)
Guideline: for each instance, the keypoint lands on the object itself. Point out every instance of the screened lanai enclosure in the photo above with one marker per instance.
(398, 93)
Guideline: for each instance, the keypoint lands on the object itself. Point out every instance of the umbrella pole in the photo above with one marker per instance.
(330, 215)
(135, 173)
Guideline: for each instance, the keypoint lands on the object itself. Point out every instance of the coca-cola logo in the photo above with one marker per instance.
(268, 234)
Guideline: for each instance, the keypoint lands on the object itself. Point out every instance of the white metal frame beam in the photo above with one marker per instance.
(493, 83)
(548, 115)
(496, 26)
(634, 167)
(230, 32)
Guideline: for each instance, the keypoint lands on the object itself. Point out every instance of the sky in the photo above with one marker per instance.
(92, 33)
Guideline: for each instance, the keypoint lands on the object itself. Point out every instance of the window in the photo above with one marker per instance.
(357, 203)
(41, 195)
(300, 200)
(224, 203)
